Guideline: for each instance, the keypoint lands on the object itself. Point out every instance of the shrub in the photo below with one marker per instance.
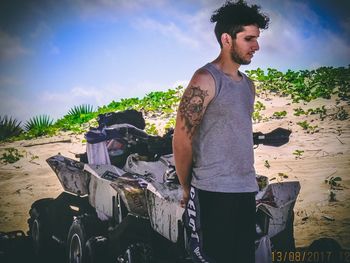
(11, 155)
(81, 109)
(279, 114)
(75, 117)
(151, 128)
(9, 128)
(39, 125)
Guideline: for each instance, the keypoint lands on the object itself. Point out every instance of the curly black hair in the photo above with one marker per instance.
(233, 16)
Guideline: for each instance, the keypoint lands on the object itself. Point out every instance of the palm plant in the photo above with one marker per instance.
(9, 127)
(76, 116)
(39, 125)
(81, 109)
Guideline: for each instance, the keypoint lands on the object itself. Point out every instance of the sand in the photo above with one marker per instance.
(325, 153)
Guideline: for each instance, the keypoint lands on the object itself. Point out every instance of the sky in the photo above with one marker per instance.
(58, 54)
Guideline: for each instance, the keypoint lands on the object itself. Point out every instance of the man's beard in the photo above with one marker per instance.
(237, 58)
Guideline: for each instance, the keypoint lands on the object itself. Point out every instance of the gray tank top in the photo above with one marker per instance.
(223, 158)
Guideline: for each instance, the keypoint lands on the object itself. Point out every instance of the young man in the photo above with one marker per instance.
(213, 144)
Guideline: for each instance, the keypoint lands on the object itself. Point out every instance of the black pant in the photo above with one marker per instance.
(226, 226)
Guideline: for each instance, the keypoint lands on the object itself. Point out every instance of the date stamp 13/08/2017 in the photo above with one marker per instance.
(341, 256)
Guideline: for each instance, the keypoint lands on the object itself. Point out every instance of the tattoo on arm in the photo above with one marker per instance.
(192, 108)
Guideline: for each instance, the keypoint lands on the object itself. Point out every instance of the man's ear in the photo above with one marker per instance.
(226, 40)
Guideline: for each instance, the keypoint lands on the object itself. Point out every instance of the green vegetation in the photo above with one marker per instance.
(11, 155)
(75, 117)
(170, 124)
(334, 184)
(321, 111)
(258, 106)
(267, 164)
(341, 114)
(298, 154)
(33, 157)
(162, 103)
(39, 126)
(299, 111)
(158, 101)
(9, 128)
(80, 110)
(304, 85)
(279, 114)
(306, 126)
(332, 197)
(151, 128)
(257, 116)
(283, 175)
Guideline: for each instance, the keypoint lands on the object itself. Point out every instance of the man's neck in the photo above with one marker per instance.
(226, 65)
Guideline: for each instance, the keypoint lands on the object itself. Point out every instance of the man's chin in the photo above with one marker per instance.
(240, 61)
(245, 62)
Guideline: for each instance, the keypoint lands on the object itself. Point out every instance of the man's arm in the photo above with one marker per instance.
(193, 104)
(252, 86)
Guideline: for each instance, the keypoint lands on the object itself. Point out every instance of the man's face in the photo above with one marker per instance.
(245, 45)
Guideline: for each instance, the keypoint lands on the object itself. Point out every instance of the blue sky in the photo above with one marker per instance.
(57, 54)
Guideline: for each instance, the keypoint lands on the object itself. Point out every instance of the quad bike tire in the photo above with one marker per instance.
(97, 250)
(40, 228)
(284, 241)
(82, 229)
(129, 241)
(136, 253)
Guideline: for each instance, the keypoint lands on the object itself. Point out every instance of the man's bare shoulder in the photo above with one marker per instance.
(252, 85)
(203, 79)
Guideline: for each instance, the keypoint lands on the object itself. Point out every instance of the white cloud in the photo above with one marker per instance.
(77, 95)
(82, 94)
(86, 92)
(111, 9)
(280, 36)
(11, 46)
(170, 30)
(201, 28)
(192, 29)
(292, 42)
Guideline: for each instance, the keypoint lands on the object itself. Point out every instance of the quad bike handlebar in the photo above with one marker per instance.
(277, 137)
(138, 141)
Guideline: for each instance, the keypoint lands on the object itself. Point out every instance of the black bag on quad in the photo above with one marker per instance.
(124, 135)
(132, 117)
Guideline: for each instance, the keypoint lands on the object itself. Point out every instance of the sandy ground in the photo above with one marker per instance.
(326, 153)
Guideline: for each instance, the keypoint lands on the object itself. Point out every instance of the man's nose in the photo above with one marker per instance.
(256, 46)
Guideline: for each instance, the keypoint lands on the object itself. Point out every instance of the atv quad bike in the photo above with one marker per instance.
(121, 201)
